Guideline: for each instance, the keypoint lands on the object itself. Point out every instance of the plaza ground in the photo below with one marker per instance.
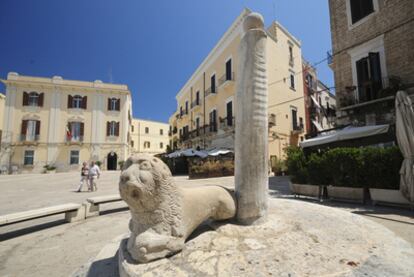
(48, 247)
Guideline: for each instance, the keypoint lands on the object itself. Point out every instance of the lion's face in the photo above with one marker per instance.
(141, 178)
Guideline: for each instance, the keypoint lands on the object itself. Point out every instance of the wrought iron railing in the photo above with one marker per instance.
(226, 78)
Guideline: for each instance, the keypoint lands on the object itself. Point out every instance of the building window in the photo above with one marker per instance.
(161, 145)
(114, 104)
(132, 143)
(75, 131)
(77, 102)
(213, 121)
(186, 107)
(292, 81)
(112, 129)
(229, 107)
(181, 111)
(228, 70)
(369, 77)
(213, 83)
(147, 144)
(290, 55)
(294, 119)
(28, 157)
(360, 9)
(309, 81)
(30, 130)
(132, 128)
(33, 99)
(198, 98)
(74, 157)
(146, 130)
(161, 132)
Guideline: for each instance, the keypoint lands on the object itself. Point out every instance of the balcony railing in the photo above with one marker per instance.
(226, 78)
(297, 129)
(211, 91)
(371, 92)
(29, 138)
(195, 103)
(227, 123)
(76, 139)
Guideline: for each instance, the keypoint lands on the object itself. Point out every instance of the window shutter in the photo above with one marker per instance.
(108, 127)
(70, 101)
(24, 127)
(84, 102)
(82, 128)
(109, 104)
(118, 104)
(37, 127)
(41, 98)
(117, 129)
(25, 98)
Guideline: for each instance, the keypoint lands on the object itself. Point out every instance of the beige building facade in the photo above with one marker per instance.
(205, 112)
(2, 105)
(149, 136)
(61, 123)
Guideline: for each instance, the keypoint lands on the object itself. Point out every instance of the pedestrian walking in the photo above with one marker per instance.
(84, 177)
(94, 173)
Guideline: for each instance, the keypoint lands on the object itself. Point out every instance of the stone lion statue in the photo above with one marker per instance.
(163, 214)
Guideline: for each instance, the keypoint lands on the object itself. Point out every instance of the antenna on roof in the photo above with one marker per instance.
(111, 78)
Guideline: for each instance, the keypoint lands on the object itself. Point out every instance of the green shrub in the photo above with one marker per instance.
(347, 167)
(296, 164)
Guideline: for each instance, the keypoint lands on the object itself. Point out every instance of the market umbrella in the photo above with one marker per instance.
(405, 137)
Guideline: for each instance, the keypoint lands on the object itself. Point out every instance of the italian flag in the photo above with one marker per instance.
(68, 133)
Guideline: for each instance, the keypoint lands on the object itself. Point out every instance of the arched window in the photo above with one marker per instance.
(114, 104)
(147, 144)
(77, 101)
(146, 130)
(33, 99)
(161, 145)
(112, 128)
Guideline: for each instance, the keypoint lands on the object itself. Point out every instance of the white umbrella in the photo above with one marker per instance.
(405, 137)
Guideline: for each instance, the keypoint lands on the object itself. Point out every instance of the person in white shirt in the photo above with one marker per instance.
(94, 173)
(84, 177)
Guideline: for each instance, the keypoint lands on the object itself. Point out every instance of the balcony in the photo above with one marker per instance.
(297, 129)
(211, 91)
(195, 104)
(227, 123)
(74, 140)
(28, 139)
(226, 80)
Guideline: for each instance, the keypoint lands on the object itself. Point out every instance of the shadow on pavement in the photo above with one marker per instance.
(31, 229)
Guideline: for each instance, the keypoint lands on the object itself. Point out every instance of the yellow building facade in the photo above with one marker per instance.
(61, 123)
(149, 136)
(206, 105)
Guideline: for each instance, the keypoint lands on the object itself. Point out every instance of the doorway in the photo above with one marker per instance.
(112, 160)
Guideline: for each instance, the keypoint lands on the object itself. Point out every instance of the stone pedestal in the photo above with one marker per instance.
(251, 143)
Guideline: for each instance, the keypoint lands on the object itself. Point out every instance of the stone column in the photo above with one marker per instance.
(251, 143)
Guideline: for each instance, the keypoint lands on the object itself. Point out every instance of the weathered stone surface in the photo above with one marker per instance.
(163, 215)
(299, 239)
(251, 142)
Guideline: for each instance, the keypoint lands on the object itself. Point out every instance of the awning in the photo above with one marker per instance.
(346, 134)
(202, 153)
(216, 152)
(315, 102)
(187, 153)
(317, 125)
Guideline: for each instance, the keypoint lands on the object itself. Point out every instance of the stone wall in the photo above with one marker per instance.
(394, 19)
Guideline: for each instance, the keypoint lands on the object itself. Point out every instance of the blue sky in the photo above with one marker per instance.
(153, 46)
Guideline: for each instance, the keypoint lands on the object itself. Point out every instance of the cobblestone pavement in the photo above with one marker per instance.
(45, 247)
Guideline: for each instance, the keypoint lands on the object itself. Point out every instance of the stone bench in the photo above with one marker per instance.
(73, 212)
(92, 204)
